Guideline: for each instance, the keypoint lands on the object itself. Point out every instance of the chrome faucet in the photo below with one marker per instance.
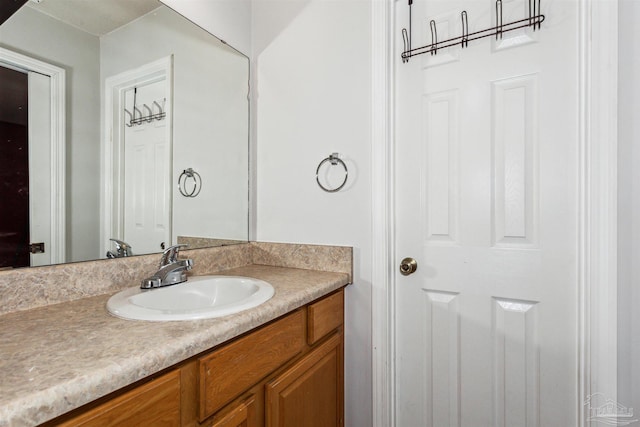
(171, 270)
(123, 249)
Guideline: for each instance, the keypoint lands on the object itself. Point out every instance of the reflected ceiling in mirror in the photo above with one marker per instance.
(122, 171)
(95, 17)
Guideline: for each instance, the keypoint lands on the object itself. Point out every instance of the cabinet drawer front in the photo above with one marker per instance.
(156, 403)
(325, 316)
(227, 372)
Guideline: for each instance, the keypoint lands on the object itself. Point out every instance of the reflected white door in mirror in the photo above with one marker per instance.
(45, 143)
(137, 156)
(39, 168)
(147, 170)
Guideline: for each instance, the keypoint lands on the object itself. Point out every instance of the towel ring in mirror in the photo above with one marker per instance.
(185, 178)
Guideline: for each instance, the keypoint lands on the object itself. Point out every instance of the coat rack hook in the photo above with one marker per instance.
(130, 122)
(159, 107)
(406, 37)
(149, 117)
(465, 29)
(136, 110)
(498, 19)
(405, 40)
(534, 11)
(434, 37)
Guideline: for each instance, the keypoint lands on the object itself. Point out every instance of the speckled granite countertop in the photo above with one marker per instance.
(56, 358)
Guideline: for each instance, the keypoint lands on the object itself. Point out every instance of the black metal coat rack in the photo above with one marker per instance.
(138, 118)
(534, 20)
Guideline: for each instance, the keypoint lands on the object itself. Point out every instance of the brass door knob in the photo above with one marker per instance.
(408, 266)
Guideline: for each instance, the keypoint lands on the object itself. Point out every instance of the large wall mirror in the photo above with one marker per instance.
(119, 120)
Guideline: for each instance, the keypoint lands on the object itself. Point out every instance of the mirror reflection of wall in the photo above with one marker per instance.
(210, 120)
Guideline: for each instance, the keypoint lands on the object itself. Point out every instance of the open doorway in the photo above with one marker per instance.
(32, 237)
(44, 184)
(14, 169)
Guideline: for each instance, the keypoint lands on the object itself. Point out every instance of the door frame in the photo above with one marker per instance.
(57, 247)
(596, 273)
(112, 194)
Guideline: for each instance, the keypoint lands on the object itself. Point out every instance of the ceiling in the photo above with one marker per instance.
(97, 17)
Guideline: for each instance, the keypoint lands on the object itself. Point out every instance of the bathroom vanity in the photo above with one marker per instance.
(71, 363)
(286, 373)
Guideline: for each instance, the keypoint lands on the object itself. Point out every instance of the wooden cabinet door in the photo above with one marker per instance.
(310, 393)
(242, 415)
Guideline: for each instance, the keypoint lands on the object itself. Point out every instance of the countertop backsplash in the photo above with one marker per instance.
(27, 288)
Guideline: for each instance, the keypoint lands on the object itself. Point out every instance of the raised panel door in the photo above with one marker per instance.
(309, 393)
(486, 202)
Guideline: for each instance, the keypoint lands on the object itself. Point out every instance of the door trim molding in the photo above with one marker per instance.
(597, 210)
(57, 248)
(112, 197)
(383, 212)
(597, 245)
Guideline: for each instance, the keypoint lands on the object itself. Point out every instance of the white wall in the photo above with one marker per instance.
(629, 206)
(229, 20)
(210, 117)
(39, 36)
(312, 62)
(310, 97)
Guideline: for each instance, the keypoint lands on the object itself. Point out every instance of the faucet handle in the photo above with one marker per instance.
(122, 248)
(170, 255)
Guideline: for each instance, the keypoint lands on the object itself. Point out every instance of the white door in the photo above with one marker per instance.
(40, 166)
(147, 180)
(487, 205)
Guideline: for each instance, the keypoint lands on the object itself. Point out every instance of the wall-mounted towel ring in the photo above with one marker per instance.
(184, 180)
(334, 160)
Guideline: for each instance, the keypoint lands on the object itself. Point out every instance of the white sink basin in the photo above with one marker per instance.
(201, 297)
